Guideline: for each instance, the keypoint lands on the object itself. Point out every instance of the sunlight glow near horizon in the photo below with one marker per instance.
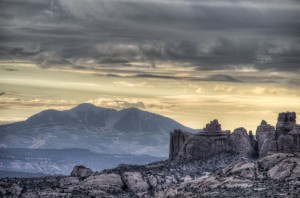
(29, 90)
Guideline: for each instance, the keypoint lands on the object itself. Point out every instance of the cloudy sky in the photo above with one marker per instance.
(193, 60)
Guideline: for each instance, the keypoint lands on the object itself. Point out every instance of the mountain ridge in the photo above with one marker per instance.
(130, 131)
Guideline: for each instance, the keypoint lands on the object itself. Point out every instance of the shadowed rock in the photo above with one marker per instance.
(211, 141)
(240, 142)
(81, 171)
(287, 134)
(264, 132)
(177, 138)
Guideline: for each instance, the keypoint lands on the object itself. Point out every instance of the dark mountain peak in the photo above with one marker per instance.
(50, 116)
(84, 107)
(131, 109)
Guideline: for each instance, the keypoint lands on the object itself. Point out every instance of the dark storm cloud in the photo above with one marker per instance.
(205, 35)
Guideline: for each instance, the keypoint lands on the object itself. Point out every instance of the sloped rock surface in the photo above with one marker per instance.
(81, 171)
(273, 176)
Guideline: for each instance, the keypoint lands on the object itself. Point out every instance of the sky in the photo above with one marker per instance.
(193, 61)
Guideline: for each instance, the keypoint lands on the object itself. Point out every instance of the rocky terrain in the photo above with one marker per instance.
(211, 163)
(223, 175)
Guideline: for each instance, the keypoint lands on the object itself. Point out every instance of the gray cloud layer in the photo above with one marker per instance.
(205, 35)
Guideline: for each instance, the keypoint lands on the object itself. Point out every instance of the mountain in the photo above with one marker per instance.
(104, 130)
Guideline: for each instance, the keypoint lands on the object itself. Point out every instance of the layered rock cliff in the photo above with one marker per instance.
(210, 141)
(285, 138)
(213, 140)
(177, 139)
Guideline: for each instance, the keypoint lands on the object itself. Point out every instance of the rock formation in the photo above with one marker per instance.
(211, 141)
(264, 132)
(240, 142)
(81, 172)
(273, 176)
(287, 135)
(177, 138)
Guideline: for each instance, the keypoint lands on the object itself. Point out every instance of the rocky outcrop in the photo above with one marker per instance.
(264, 132)
(240, 143)
(287, 134)
(213, 127)
(273, 176)
(135, 182)
(211, 141)
(111, 182)
(177, 138)
(81, 171)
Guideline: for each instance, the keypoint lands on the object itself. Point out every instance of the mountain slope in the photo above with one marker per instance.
(86, 126)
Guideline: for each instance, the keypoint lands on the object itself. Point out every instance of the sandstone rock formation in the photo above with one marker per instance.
(264, 132)
(212, 140)
(287, 134)
(240, 142)
(81, 171)
(177, 138)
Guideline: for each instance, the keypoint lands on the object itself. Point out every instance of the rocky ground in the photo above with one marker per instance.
(224, 175)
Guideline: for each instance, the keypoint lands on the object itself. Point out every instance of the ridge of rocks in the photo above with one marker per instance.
(213, 140)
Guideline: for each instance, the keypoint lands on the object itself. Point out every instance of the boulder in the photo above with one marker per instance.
(242, 169)
(107, 182)
(81, 171)
(135, 182)
(286, 168)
